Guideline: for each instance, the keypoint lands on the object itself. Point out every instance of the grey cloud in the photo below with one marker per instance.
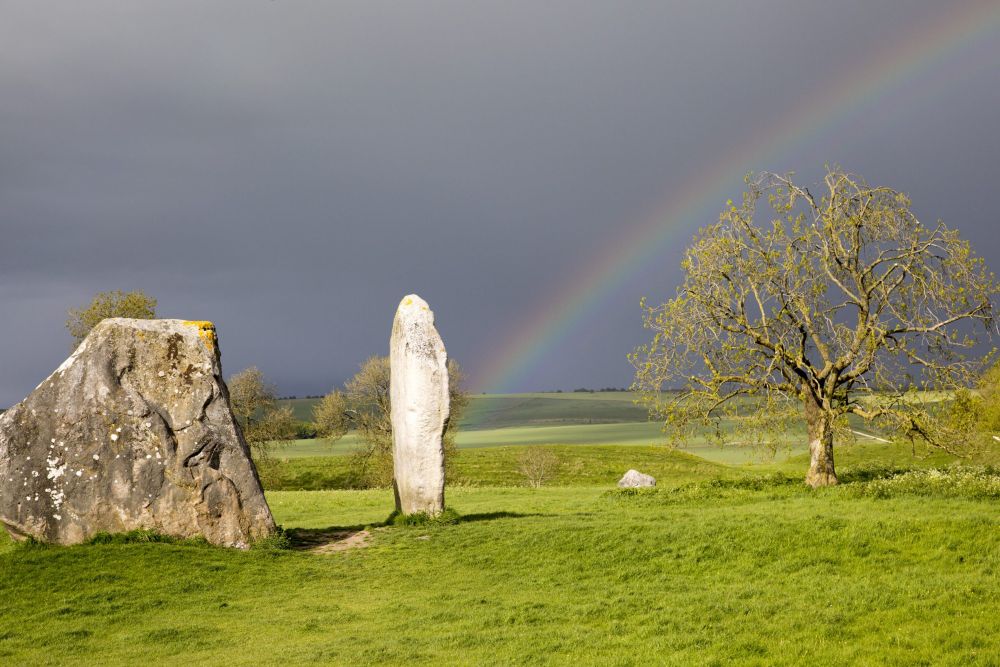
(290, 169)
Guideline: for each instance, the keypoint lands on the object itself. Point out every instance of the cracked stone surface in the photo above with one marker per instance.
(133, 431)
(419, 404)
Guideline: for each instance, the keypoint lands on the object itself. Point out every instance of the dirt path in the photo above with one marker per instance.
(318, 541)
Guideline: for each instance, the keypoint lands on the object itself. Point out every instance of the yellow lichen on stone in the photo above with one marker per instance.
(206, 332)
(408, 302)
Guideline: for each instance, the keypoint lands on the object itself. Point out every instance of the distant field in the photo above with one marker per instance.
(569, 418)
(641, 434)
(488, 411)
(302, 407)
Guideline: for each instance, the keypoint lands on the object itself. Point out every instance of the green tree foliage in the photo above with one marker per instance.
(364, 406)
(254, 404)
(825, 305)
(975, 412)
(136, 305)
(989, 402)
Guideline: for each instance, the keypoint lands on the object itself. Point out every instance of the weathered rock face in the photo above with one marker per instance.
(634, 479)
(419, 396)
(133, 431)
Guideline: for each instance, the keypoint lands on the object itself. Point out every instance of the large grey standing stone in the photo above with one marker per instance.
(635, 479)
(419, 399)
(133, 431)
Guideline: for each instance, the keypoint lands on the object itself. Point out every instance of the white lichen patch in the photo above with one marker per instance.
(110, 475)
(54, 472)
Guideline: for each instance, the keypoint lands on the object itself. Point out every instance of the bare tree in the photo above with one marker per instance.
(538, 466)
(842, 303)
(364, 407)
(254, 403)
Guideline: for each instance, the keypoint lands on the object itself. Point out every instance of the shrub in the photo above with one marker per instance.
(872, 481)
(446, 518)
(537, 466)
(978, 482)
(740, 487)
(278, 541)
(139, 536)
(868, 472)
(305, 430)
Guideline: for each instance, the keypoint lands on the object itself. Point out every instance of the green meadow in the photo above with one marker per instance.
(728, 561)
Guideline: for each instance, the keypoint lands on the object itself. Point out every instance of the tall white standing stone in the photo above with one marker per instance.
(419, 395)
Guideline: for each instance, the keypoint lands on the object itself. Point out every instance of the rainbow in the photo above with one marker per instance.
(555, 317)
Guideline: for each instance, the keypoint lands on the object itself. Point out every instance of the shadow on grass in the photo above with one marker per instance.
(310, 539)
(493, 516)
(314, 539)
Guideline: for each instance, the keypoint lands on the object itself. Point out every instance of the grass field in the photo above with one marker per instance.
(728, 561)
(564, 575)
(498, 466)
(583, 465)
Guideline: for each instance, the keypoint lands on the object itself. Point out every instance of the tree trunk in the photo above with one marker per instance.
(820, 427)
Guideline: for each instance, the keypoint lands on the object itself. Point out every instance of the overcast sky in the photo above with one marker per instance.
(291, 169)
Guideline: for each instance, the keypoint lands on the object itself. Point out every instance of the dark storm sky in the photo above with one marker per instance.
(291, 169)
